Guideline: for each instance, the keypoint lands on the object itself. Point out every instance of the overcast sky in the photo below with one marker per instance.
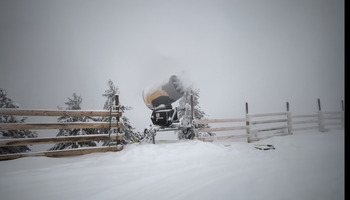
(264, 52)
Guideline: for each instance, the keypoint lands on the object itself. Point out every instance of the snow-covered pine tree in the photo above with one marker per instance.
(74, 103)
(6, 102)
(198, 113)
(127, 130)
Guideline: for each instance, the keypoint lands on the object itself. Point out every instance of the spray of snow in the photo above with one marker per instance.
(186, 81)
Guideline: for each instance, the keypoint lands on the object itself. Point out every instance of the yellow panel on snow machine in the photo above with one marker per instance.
(164, 95)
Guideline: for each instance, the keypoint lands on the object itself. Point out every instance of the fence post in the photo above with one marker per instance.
(289, 119)
(247, 122)
(342, 114)
(116, 103)
(192, 109)
(321, 126)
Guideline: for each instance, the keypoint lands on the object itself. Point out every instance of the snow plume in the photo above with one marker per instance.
(173, 89)
(155, 86)
(186, 81)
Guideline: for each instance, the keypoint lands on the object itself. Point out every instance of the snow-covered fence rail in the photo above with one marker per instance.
(265, 125)
(208, 121)
(333, 119)
(66, 139)
(230, 128)
(71, 125)
(321, 120)
(113, 125)
(305, 122)
(71, 113)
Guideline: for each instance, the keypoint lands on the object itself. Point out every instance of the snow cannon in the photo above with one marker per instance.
(164, 117)
(162, 96)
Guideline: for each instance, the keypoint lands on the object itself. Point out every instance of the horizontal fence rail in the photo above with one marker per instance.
(210, 121)
(63, 139)
(231, 128)
(71, 125)
(286, 125)
(59, 153)
(67, 113)
(221, 129)
(264, 125)
(212, 138)
(113, 125)
(267, 114)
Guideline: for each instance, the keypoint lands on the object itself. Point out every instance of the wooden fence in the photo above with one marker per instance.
(253, 127)
(114, 125)
(265, 125)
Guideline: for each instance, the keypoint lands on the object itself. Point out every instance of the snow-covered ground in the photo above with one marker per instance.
(306, 165)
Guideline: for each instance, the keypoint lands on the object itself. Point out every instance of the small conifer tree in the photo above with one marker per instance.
(127, 130)
(74, 103)
(198, 113)
(6, 102)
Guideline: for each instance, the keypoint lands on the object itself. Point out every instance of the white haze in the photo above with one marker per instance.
(261, 52)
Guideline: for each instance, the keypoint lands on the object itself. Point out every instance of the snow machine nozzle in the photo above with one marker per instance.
(162, 96)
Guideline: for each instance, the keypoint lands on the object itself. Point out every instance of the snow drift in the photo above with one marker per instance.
(306, 165)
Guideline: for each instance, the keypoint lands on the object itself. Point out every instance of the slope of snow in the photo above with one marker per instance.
(306, 165)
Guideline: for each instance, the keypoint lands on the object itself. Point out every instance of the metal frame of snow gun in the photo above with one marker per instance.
(185, 125)
(164, 118)
(149, 134)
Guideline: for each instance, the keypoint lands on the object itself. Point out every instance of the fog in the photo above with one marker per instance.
(261, 52)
